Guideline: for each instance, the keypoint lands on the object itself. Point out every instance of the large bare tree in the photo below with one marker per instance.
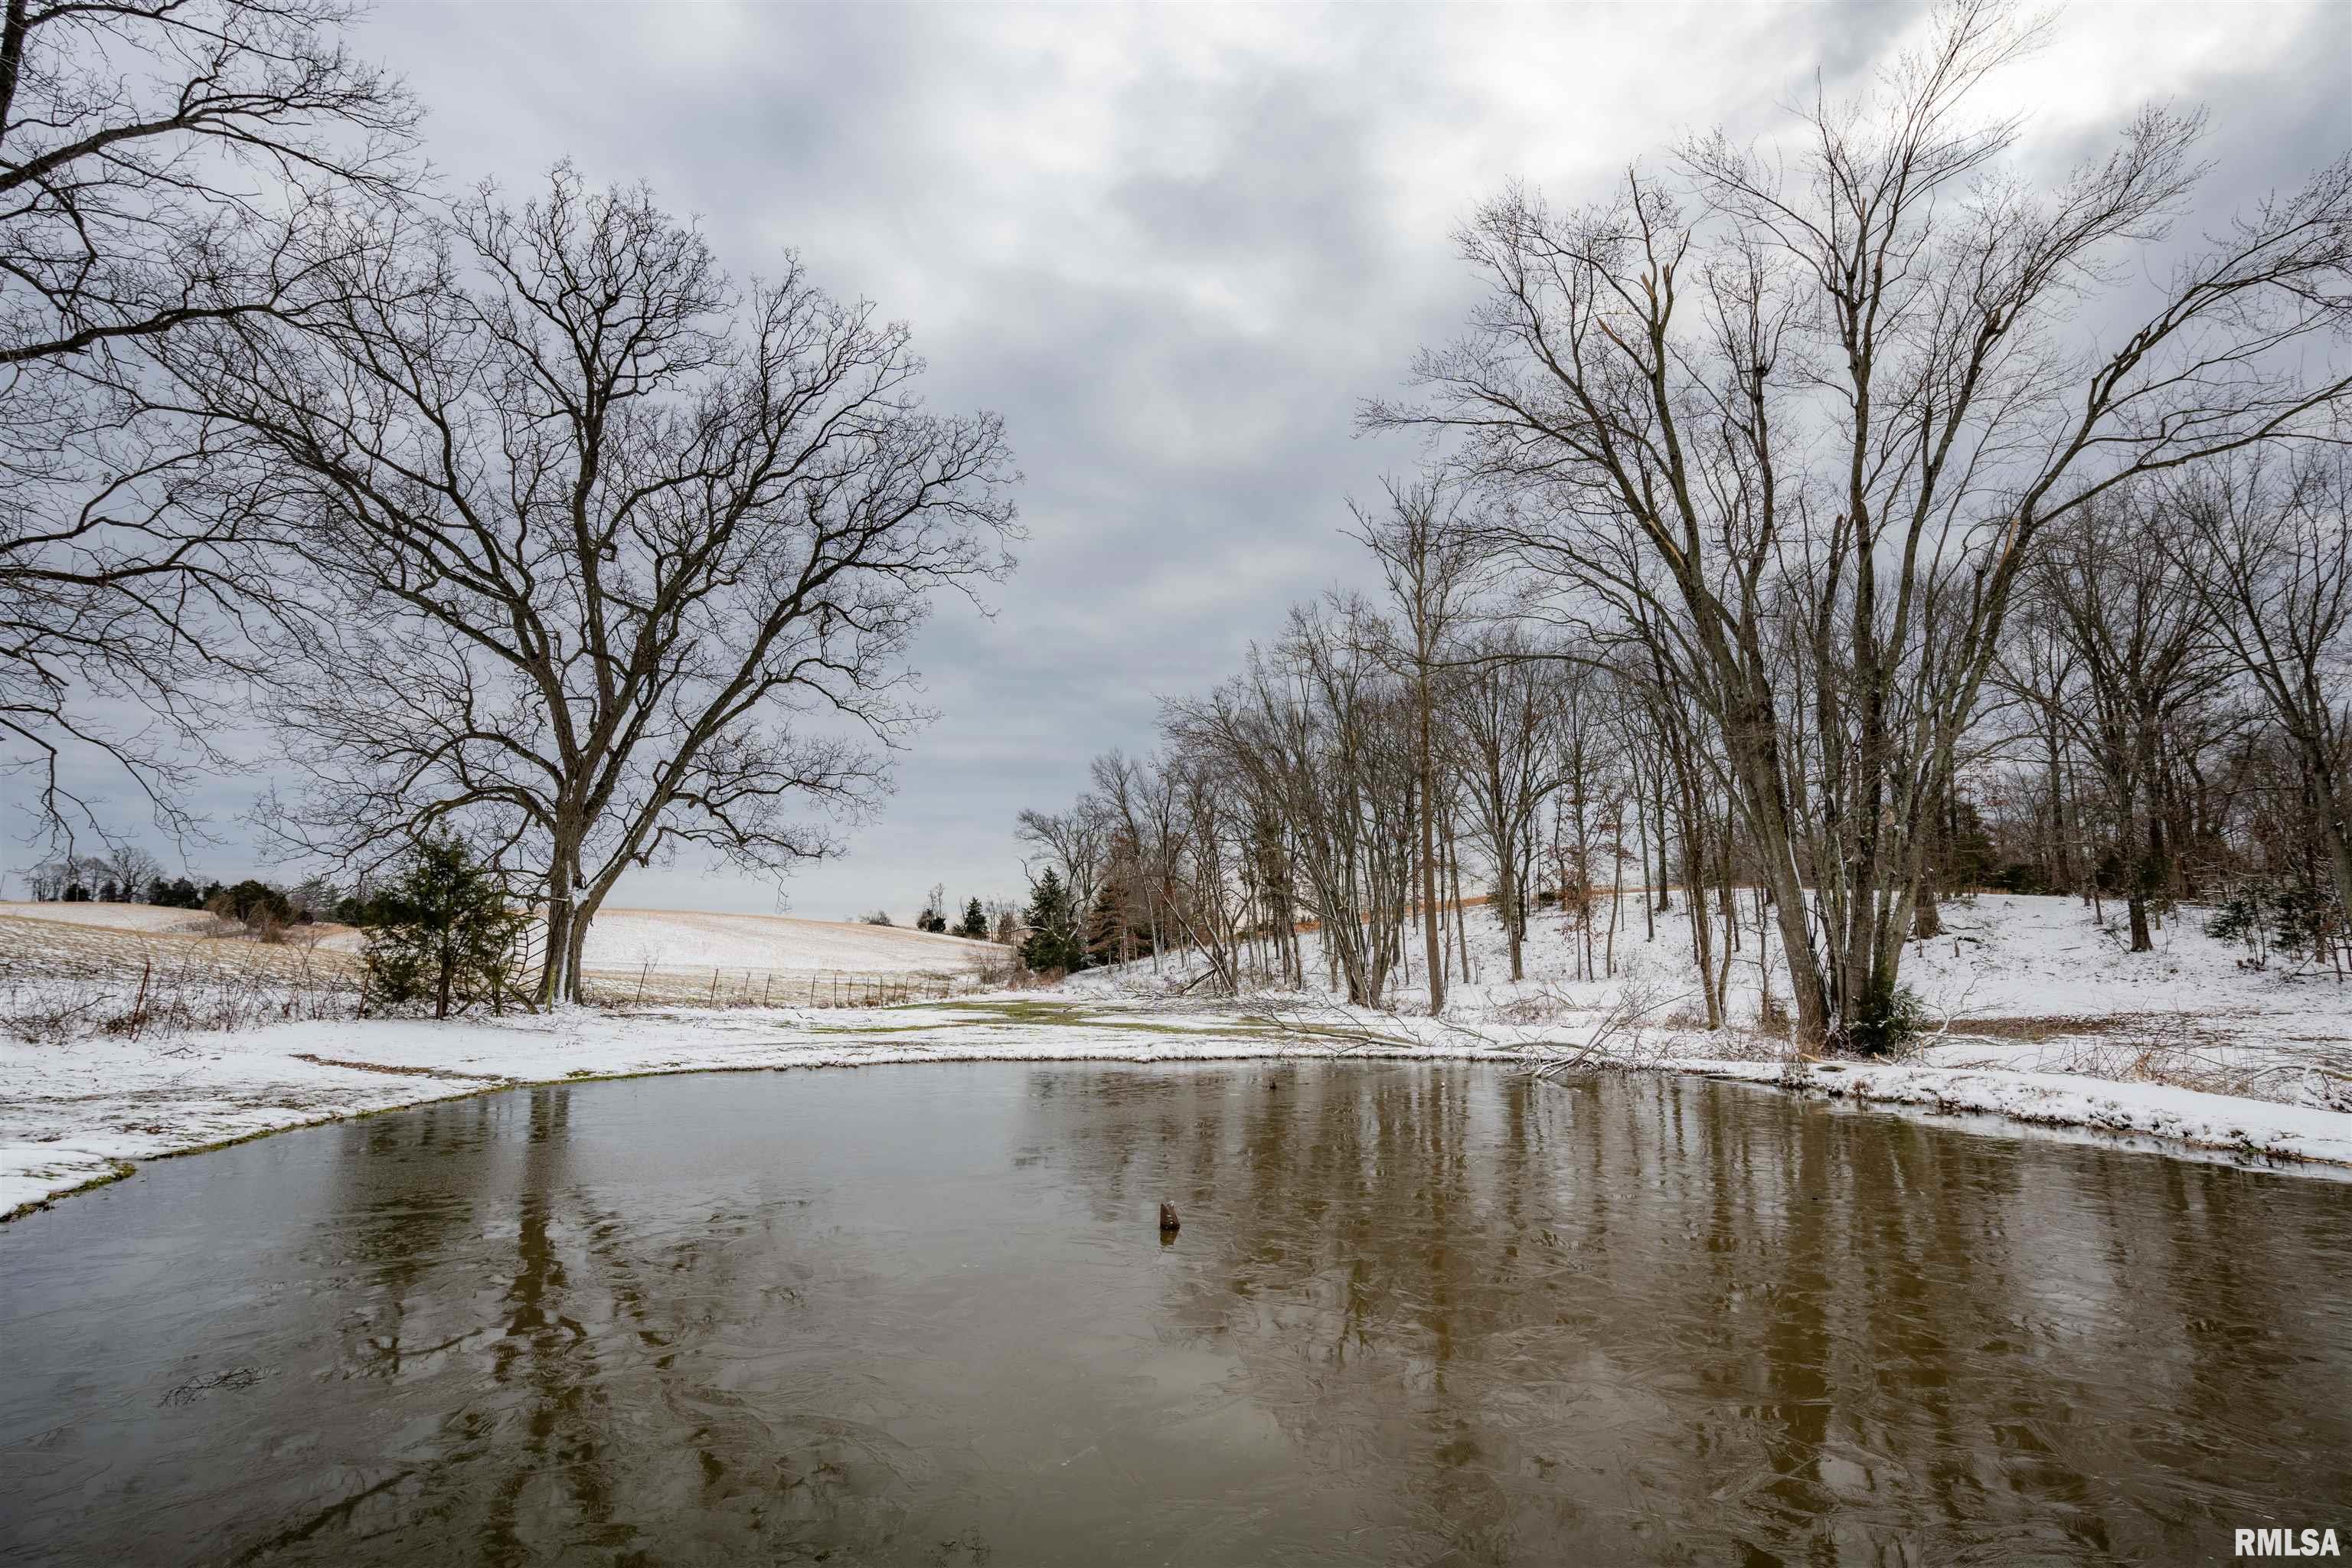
(163, 163)
(615, 556)
(1820, 400)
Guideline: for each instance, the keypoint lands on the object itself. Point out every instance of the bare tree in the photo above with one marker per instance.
(2037, 667)
(596, 533)
(163, 163)
(2143, 641)
(1319, 732)
(1502, 717)
(1835, 390)
(2269, 555)
(128, 869)
(1076, 843)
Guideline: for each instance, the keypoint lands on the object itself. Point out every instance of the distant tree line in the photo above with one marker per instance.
(130, 875)
(981, 919)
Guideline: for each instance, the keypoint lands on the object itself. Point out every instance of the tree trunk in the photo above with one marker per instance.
(557, 985)
(1770, 821)
(1430, 915)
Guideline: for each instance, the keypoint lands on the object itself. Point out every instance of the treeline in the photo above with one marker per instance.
(130, 875)
(2127, 754)
(983, 920)
(514, 517)
(1789, 552)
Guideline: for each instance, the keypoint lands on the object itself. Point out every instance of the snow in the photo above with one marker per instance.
(628, 941)
(82, 1114)
(2147, 1042)
(2032, 984)
(624, 940)
(144, 918)
(2255, 1128)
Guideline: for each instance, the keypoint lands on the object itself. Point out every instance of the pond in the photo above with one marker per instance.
(1415, 1314)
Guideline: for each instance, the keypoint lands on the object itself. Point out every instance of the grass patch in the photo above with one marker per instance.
(2033, 1031)
(401, 1071)
(1021, 1010)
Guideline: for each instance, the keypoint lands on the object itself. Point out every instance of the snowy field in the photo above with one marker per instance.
(2043, 1018)
(620, 941)
(146, 919)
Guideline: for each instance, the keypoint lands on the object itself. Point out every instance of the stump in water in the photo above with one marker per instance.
(1168, 1223)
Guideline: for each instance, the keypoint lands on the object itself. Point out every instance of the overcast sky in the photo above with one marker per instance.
(1174, 246)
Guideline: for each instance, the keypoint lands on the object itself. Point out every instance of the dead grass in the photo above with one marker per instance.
(2033, 1031)
(48, 949)
(401, 1071)
(60, 982)
(752, 987)
(2179, 1049)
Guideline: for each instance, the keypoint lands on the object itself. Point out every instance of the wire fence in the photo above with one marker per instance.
(718, 986)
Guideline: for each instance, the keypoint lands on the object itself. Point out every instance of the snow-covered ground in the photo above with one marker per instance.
(627, 941)
(622, 940)
(2026, 984)
(2045, 1019)
(78, 1115)
(143, 918)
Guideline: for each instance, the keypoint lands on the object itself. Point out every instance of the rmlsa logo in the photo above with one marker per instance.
(2287, 1543)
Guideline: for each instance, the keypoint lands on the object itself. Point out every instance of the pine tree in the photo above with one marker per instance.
(445, 931)
(1112, 935)
(974, 924)
(1053, 945)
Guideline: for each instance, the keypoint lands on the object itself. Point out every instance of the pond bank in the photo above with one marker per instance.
(79, 1115)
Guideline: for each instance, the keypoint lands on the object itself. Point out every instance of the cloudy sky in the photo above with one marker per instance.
(1175, 245)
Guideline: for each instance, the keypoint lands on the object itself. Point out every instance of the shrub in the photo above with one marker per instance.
(252, 903)
(444, 933)
(2246, 917)
(1891, 1030)
(2299, 917)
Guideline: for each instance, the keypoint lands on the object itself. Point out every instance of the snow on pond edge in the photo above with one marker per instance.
(73, 1118)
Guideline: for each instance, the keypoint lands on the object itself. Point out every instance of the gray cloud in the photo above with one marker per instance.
(1174, 246)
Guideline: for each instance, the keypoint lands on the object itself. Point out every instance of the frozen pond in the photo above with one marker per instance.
(1416, 1314)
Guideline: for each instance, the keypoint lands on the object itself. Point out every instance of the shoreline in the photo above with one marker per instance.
(79, 1116)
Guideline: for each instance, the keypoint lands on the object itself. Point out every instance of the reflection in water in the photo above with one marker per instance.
(1415, 1314)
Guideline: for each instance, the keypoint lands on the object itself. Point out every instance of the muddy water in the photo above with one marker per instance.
(1415, 1315)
